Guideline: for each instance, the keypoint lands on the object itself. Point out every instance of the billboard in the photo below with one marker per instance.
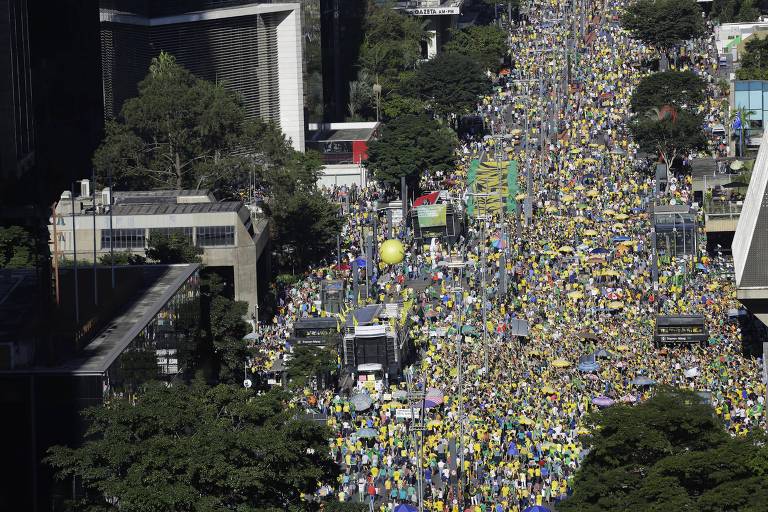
(432, 215)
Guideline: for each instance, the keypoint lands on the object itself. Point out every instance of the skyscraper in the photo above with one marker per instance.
(17, 134)
(253, 48)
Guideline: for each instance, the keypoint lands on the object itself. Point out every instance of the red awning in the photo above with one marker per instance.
(430, 198)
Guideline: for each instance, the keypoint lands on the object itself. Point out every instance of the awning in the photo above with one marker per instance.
(430, 198)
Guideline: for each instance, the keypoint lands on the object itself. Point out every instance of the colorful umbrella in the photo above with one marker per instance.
(603, 401)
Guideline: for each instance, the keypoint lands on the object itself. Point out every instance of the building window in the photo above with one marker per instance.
(124, 238)
(185, 232)
(209, 236)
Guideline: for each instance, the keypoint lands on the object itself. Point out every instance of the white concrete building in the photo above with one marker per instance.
(253, 48)
(228, 233)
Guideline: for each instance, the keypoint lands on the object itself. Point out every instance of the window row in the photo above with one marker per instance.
(207, 236)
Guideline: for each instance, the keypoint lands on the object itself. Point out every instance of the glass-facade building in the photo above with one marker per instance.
(164, 349)
(752, 96)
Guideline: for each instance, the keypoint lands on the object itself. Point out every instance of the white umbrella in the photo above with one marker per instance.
(691, 372)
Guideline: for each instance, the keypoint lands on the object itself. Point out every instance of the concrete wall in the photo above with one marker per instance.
(243, 257)
(291, 84)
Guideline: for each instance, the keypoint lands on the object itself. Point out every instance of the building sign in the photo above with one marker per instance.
(433, 11)
(680, 329)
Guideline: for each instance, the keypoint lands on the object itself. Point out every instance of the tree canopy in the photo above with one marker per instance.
(754, 61)
(669, 453)
(448, 84)
(487, 44)
(679, 89)
(18, 248)
(663, 24)
(410, 145)
(171, 248)
(391, 44)
(178, 126)
(309, 362)
(730, 11)
(668, 133)
(196, 448)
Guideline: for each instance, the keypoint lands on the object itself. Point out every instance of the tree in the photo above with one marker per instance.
(178, 126)
(664, 24)
(668, 133)
(122, 258)
(228, 330)
(394, 105)
(679, 89)
(391, 45)
(729, 11)
(302, 217)
(18, 248)
(487, 44)
(309, 362)
(669, 453)
(196, 448)
(754, 62)
(410, 145)
(451, 83)
(172, 248)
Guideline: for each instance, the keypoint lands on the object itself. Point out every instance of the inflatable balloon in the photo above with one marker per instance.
(392, 252)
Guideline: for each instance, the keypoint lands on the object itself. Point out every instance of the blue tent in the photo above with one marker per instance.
(642, 380)
(620, 238)
(405, 507)
(599, 250)
(535, 508)
(588, 366)
(602, 353)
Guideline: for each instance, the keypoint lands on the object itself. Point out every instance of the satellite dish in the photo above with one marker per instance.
(247, 383)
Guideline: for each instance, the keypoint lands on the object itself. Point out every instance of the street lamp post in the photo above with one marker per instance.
(377, 93)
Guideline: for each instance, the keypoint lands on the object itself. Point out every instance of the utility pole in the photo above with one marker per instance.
(417, 429)
(111, 233)
(484, 269)
(74, 251)
(95, 270)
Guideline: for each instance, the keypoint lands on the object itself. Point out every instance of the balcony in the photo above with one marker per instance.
(721, 216)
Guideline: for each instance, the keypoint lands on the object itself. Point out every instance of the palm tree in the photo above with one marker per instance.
(745, 115)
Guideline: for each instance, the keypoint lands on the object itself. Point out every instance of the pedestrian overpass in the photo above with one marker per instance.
(750, 242)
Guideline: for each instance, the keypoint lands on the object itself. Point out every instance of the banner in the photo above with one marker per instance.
(512, 189)
(432, 215)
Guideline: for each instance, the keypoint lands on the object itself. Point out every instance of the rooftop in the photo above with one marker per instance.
(340, 132)
(160, 283)
(176, 209)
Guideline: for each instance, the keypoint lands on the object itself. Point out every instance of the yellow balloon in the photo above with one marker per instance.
(392, 252)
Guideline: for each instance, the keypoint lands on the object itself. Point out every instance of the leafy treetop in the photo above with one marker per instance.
(449, 84)
(487, 44)
(754, 62)
(410, 145)
(664, 24)
(669, 453)
(196, 448)
(680, 89)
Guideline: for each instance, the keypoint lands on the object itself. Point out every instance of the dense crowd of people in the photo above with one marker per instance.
(580, 274)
